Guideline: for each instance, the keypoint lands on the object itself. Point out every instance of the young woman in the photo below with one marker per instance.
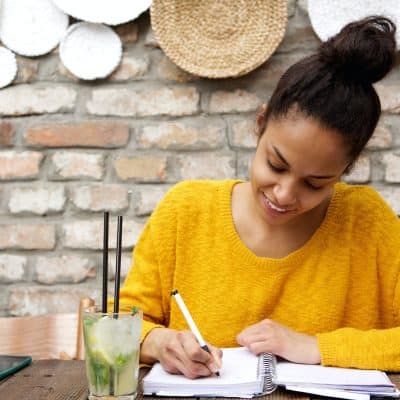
(293, 262)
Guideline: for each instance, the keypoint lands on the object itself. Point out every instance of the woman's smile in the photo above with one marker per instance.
(273, 208)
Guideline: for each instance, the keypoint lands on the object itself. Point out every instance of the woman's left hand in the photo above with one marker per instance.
(271, 337)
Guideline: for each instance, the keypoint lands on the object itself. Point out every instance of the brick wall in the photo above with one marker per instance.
(71, 149)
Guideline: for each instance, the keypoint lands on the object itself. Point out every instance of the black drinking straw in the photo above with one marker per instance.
(118, 265)
(105, 263)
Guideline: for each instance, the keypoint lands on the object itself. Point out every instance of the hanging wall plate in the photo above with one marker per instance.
(31, 27)
(8, 69)
(110, 12)
(328, 17)
(90, 51)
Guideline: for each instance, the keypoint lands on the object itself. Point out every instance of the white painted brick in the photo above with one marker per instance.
(235, 101)
(202, 135)
(207, 166)
(73, 165)
(98, 197)
(125, 102)
(29, 99)
(37, 200)
(12, 268)
(130, 68)
(126, 262)
(19, 165)
(242, 134)
(382, 137)
(36, 300)
(361, 171)
(149, 197)
(389, 96)
(86, 234)
(27, 236)
(392, 171)
(64, 269)
(244, 164)
(142, 167)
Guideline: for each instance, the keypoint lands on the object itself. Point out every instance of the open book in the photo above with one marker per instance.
(246, 375)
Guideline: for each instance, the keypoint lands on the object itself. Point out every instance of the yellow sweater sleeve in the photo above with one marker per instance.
(148, 281)
(349, 347)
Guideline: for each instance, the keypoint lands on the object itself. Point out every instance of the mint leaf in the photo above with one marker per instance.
(134, 310)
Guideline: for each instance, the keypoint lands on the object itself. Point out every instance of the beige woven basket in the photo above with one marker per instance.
(218, 38)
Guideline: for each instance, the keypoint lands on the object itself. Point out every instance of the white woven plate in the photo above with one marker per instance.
(90, 51)
(8, 69)
(110, 12)
(31, 27)
(328, 17)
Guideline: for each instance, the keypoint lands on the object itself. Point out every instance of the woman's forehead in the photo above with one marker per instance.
(305, 144)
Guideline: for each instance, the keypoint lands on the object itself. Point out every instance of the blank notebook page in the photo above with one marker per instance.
(290, 373)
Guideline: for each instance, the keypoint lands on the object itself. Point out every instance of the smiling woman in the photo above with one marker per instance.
(293, 262)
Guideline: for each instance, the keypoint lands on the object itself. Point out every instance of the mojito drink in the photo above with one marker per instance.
(112, 344)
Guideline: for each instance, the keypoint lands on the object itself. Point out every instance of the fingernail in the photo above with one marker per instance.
(213, 368)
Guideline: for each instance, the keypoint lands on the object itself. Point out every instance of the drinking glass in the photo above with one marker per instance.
(112, 342)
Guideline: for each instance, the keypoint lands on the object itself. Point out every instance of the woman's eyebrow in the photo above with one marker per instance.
(278, 153)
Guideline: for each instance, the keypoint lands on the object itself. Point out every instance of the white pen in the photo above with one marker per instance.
(190, 322)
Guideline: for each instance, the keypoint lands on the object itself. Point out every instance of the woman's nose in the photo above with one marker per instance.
(285, 193)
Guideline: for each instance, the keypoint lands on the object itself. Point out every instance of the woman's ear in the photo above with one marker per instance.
(261, 121)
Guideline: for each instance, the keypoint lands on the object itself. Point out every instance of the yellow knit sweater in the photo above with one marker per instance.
(342, 285)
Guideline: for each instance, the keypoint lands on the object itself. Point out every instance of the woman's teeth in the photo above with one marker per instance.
(273, 206)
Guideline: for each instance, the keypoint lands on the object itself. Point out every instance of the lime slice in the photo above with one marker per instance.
(114, 340)
(102, 338)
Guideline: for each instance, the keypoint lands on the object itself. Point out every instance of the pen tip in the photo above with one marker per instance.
(217, 374)
(174, 292)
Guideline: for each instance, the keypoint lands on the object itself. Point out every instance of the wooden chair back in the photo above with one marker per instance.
(50, 336)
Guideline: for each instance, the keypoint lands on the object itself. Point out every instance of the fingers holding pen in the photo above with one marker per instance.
(206, 357)
(209, 356)
(215, 361)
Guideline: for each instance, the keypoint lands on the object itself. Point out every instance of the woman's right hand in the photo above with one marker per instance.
(179, 353)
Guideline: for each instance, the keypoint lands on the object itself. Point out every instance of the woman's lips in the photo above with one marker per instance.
(272, 206)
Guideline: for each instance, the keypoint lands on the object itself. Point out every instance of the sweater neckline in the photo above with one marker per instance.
(320, 235)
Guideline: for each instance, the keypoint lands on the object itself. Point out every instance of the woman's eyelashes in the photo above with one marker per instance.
(280, 170)
(311, 186)
(275, 168)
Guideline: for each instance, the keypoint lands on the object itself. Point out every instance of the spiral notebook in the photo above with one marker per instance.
(246, 375)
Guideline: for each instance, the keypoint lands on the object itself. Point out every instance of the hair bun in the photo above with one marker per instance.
(363, 51)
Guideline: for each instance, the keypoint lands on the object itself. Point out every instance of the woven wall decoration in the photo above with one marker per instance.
(219, 38)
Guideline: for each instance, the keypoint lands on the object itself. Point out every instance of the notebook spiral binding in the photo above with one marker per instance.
(266, 369)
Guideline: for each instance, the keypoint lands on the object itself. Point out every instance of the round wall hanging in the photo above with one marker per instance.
(90, 51)
(218, 38)
(328, 17)
(8, 69)
(104, 11)
(31, 28)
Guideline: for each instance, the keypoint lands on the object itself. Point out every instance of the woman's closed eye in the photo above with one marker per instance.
(276, 168)
(311, 186)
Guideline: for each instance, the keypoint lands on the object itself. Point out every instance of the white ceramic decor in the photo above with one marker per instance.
(110, 12)
(90, 51)
(328, 17)
(31, 27)
(8, 64)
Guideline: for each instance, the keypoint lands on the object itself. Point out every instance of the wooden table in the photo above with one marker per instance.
(66, 380)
